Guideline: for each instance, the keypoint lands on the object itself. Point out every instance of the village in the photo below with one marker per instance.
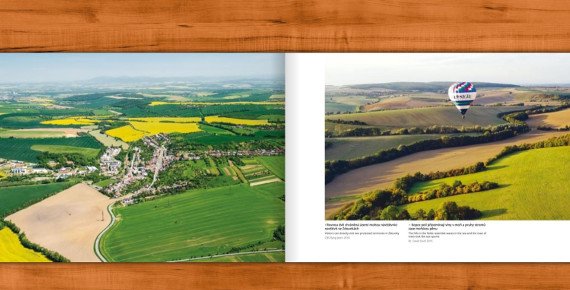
(130, 173)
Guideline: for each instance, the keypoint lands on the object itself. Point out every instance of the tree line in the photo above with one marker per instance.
(448, 210)
(552, 142)
(435, 129)
(337, 167)
(456, 189)
(51, 255)
(385, 204)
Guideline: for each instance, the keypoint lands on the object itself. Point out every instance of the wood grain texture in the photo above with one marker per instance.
(284, 25)
(284, 276)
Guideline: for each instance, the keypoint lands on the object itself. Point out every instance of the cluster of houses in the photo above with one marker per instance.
(135, 171)
(16, 167)
(108, 164)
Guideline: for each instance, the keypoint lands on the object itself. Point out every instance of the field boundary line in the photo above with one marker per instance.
(227, 255)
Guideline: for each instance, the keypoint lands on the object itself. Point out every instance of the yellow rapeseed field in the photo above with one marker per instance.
(248, 122)
(137, 130)
(167, 119)
(71, 121)
(12, 251)
(126, 133)
(159, 127)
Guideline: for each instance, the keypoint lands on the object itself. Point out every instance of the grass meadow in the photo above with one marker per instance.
(533, 186)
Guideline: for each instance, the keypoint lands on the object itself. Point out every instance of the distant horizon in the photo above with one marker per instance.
(136, 79)
(508, 68)
(521, 85)
(28, 68)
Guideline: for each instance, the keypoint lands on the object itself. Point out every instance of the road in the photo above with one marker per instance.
(158, 167)
(98, 239)
(227, 255)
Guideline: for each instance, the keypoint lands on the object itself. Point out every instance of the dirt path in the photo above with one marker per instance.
(229, 255)
(67, 222)
(382, 175)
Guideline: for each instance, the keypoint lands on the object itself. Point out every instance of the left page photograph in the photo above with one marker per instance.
(156, 157)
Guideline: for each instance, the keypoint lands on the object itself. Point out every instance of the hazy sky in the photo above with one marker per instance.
(55, 67)
(514, 68)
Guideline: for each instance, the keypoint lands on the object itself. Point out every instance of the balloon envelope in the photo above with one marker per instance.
(462, 94)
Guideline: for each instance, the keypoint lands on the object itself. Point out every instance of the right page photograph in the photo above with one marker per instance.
(447, 137)
(432, 152)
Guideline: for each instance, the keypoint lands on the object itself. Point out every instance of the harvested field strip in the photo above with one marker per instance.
(267, 177)
(41, 133)
(559, 119)
(257, 183)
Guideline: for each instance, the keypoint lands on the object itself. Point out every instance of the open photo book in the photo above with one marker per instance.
(296, 157)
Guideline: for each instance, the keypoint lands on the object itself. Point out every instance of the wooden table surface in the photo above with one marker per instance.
(283, 25)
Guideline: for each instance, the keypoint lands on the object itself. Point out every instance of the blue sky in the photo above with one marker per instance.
(514, 68)
(57, 67)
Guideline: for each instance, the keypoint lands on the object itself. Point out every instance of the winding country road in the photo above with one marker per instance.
(382, 175)
(98, 239)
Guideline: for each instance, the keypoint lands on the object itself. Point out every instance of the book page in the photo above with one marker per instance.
(428, 157)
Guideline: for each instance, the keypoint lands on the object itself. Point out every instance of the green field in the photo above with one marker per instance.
(59, 149)
(276, 164)
(21, 149)
(355, 147)
(333, 107)
(105, 182)
(426, 117)
(196, 223)
(534, 186)
(16, 197)
(214, 130)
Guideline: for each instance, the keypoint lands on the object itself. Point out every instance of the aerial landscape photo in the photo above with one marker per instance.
(447, 137)
(142, 158)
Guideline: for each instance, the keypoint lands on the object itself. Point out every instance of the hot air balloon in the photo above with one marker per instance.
(462, 95)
